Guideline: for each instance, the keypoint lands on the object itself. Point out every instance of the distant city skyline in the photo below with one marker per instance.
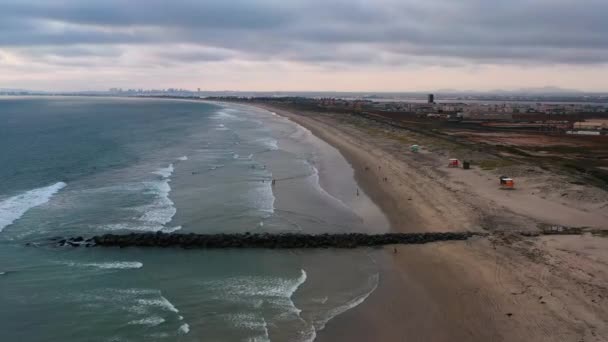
(304, 45)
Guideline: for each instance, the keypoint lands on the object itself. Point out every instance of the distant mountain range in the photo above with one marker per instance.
(548, 90)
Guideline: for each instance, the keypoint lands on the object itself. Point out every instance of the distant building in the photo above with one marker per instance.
(431, 98)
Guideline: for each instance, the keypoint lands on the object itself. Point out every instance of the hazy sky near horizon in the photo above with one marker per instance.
(348, 45)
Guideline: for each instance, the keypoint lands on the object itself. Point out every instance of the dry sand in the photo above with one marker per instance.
(502, 288)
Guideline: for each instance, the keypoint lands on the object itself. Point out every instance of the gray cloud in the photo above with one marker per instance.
(321, 32)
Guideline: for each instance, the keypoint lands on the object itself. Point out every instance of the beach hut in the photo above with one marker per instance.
(453, 162)
(506, 182)
(414, 148)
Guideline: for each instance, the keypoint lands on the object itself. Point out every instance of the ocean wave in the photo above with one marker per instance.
(155, 215)
(251, 321)
(315, 179)
(184, 329)
(162, 209)
(140, 227)
(183, 158)
(148, 321)
(258, 286)
(161, 302)
(373, 281)
(271, 144)
(262, 197)
(227, 114)
(165, 172)
(12, 208)
(110, 265)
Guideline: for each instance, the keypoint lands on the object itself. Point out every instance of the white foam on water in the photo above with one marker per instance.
(156, 215)
(138, 292)
(148, 321)
(183, 158)
(257, 286)
(258, 290)
(110, 265)
(184, 329)
(261, 197)
(228, 114)
(162, 209)
(161, 302)
(272, 144)
(235, 156)
(251, 321)
(12, 208)
(215, 167)
(221, 127)
(165, 172)
(2, 273)
(140, 227)
(315, 180)
(301, 280)
(170, 229)
(320, 324)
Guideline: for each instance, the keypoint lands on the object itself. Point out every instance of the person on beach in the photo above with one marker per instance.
(357, 191)
(274, 182)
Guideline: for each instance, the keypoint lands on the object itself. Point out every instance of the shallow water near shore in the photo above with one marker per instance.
(84, 166)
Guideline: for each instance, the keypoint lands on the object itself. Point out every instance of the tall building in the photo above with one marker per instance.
(431, 98)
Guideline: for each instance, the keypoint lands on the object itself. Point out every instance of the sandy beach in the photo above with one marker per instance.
(500, 288)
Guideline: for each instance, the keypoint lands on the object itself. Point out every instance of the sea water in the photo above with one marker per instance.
(85, 166)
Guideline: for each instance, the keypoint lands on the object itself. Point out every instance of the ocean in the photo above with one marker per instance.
(84, 166)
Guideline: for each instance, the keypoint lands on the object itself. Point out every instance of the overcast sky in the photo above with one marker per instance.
(354, 45)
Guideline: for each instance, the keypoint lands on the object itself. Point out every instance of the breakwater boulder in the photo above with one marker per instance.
(261, 240)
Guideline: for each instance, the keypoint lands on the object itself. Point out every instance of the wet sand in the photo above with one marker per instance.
(489, 289)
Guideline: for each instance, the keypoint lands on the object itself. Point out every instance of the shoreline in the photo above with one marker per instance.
(373, 323)
(481, 290)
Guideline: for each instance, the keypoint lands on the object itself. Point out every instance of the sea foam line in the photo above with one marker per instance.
(349, 305)
(148, 321)
(13, 208)
(110, 265)
(162, 210)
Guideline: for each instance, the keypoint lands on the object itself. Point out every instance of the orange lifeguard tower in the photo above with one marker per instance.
(454, 163)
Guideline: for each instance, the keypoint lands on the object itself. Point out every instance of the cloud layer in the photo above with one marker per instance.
(328, 35)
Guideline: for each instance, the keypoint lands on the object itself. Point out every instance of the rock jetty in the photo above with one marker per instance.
(261, 240)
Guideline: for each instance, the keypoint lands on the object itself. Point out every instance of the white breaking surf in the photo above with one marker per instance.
(12, 208)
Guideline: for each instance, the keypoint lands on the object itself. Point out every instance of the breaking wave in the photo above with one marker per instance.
(12, 208)
(161, 211)
(110, 265)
